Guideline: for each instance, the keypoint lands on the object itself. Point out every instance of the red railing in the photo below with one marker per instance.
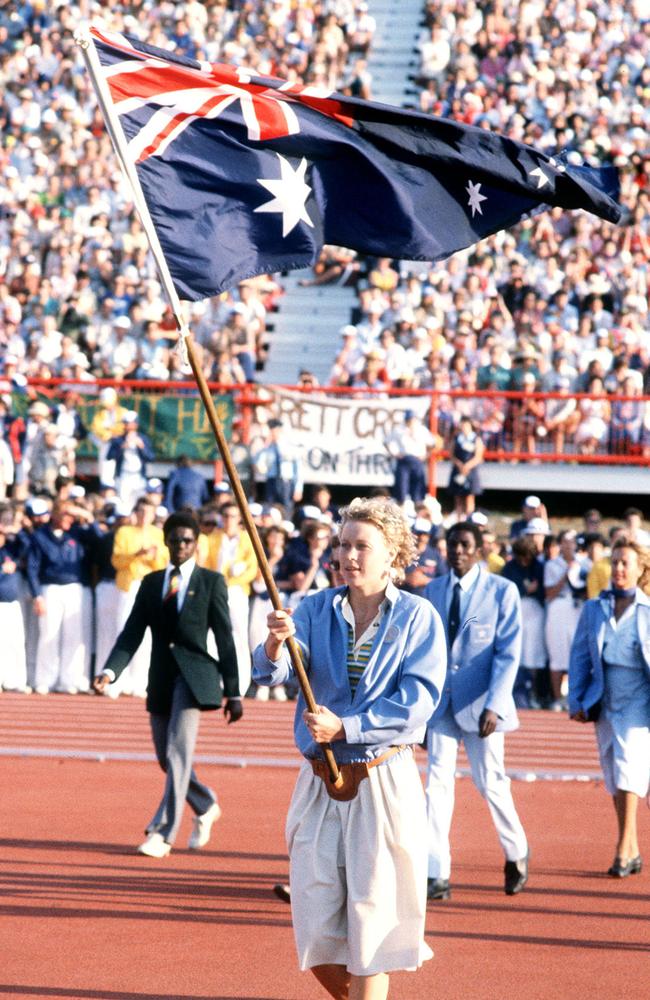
(515, 426)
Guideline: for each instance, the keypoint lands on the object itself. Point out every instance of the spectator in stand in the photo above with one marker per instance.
(466, 458)
(231, 553)
(560, 417)
(423, 569)
(13, 666)
(532, 507)
(409, 445)
(56, 572)
(131, 452)
(564, 594)
(282, 468)
(6, 457)
(274, 540)
(593, 429)
(633, 524)
(107, 424)
(138, 549)
(108, 597)
(47, 460)
(306, 567)
(527, 573)
(186, 488)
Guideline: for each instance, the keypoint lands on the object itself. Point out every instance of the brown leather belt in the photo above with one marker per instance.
(352, 774)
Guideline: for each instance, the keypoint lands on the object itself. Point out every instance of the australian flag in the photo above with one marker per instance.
(245, 175)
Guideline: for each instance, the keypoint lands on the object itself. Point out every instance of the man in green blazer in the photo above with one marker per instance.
(180, 604)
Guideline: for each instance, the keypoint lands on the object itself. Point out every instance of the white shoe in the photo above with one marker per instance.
(41, 689)
(202, 826)
(278, 693)
(155, 846)
(262, 694)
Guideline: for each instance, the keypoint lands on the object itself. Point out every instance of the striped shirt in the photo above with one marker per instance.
(358, 652)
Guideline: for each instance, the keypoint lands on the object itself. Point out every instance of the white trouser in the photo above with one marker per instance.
(238, 608)
(61, 652)
(486, 759)
(30, 629)
(107, 628)
(130, 487)
(132, 680)
(561, 622)
(105, 466)
(358, 871)
(13, 667)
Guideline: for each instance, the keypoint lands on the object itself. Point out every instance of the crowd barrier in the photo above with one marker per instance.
(341, 431)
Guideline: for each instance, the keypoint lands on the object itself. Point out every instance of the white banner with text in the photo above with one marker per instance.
(342, 440)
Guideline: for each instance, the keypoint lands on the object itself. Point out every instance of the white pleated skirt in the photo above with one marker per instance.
(359, 871)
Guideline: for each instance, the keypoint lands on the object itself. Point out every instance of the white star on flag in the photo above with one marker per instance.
(542, 179)
(289, 195)
(475, 198)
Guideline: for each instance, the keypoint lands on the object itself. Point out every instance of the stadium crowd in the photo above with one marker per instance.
(70, 569)
(559, 304)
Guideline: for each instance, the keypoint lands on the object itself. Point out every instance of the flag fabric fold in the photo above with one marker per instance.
(244, 175)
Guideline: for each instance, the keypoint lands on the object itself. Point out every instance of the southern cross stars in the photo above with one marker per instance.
(475, 198)
(290, 193)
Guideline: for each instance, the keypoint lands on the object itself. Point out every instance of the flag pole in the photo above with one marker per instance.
(114, 128)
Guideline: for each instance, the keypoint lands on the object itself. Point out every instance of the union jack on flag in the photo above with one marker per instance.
(245, 175)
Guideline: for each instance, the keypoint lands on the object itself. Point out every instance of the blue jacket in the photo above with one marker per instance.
(484, 658)
(586, 675)
(186, 488)
(9, 582)
(58, 560)
(116, 453)
(398, 690)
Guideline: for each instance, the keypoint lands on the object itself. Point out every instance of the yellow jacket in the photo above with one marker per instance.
(598, 577)
(108, 423)
(129, 539)
(240, 571)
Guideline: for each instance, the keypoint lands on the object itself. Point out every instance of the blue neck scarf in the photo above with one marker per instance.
(618, 592)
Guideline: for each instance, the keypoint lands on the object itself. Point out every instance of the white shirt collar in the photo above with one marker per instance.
(185, 568)
(466, 582)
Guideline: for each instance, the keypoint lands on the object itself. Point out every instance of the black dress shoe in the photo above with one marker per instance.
(631, 867)
(438, 888)
(283, 892)
(516, 876)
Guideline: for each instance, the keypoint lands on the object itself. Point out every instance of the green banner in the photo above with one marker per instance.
(175, 424)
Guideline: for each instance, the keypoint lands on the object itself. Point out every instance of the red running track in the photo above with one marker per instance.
(547, 745)
(83, 917)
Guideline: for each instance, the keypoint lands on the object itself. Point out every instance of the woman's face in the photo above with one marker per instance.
(626, 570)
(364, 556)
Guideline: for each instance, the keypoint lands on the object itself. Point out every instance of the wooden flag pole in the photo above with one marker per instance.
(251, 528)
(85, 42)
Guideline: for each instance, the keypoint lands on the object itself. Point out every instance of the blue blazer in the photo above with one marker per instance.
(485, 655)
(586, 675)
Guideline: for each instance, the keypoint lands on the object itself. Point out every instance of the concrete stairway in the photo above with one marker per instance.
(304, 333)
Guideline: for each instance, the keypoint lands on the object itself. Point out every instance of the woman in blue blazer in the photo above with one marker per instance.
(609, 681)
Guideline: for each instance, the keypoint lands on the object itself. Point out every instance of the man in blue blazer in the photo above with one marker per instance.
(482, 617)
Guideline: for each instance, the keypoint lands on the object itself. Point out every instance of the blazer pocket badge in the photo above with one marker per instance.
(480, 633)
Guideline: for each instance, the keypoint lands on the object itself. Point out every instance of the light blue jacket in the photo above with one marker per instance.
(586, 675)
(398, 690)
(485, 655)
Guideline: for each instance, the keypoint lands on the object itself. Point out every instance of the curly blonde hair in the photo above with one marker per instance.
(388, 518)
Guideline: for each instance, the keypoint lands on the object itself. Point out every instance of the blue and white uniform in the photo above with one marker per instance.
(610, 663)
(358, 868)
